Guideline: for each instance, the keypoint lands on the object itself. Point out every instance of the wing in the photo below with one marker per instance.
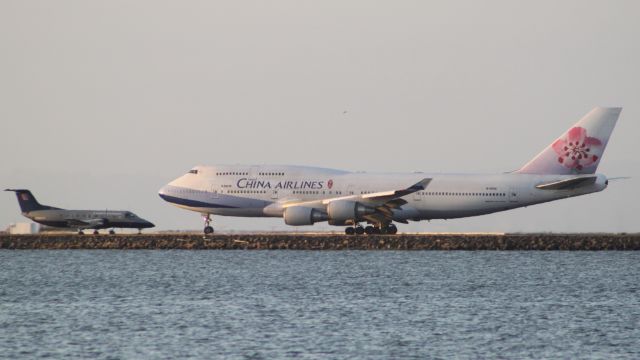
(569, 184)
(84, 224)
(388, 196)
(384, 202)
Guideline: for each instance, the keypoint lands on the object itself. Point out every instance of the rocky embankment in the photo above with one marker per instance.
(328, 242)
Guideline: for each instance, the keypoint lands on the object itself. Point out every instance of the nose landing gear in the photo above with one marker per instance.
(208, 229)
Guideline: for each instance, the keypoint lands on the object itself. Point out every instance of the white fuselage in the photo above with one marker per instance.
(255, 191)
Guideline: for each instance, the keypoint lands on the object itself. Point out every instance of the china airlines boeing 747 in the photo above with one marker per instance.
(307, 195)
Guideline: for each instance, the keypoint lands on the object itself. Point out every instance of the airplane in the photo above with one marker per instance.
(304, 195)
(77, 219)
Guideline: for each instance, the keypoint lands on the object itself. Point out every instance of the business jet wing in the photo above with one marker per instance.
(85, 224)
(569, 184)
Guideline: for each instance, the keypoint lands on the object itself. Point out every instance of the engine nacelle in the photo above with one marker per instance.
(302, 215)
(343, 210)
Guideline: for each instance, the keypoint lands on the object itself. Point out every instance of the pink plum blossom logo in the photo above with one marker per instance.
(577, 150)
(330, 184)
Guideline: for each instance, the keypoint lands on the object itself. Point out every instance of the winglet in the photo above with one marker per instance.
(420, 185)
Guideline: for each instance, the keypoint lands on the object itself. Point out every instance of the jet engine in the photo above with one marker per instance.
(303, 215)
(342, 210)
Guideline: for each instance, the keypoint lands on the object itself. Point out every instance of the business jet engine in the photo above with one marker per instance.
(342, 210)
(303, 215)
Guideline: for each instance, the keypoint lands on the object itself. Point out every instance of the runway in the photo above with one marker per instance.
(328, 241)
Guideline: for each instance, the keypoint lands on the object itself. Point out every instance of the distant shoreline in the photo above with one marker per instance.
(326, 241)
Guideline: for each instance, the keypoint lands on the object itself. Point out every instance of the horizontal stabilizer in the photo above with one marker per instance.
(568, 184)
(619, 178)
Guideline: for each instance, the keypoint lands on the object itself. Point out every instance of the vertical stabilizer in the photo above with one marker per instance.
(28, 202)
(579, 150)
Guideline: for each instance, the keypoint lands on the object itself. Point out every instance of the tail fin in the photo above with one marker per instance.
(28, 202)
(580, 149)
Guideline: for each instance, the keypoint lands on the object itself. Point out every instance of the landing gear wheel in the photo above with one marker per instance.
(112, 232)
(392, 229)
(370, 230)
(359, 230)
(207, 220)
(96, 232)
(349, 231)
(80, 232)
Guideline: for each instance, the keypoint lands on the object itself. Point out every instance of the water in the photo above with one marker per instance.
(351, 304)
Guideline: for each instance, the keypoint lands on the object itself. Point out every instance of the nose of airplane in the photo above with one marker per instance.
(148, 224)
(164, 192)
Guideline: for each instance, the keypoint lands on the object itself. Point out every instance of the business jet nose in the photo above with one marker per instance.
(148, 224)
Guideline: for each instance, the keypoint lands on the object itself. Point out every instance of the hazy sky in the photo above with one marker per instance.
(102, 103)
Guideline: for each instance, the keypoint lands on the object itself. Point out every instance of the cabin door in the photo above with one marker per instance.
(214, 191)
(513, 195)
(417, 196)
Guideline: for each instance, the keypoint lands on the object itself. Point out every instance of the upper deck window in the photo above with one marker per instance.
(193, 171)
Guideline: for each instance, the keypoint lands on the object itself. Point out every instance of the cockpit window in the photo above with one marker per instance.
(193, 171)
(129, 215)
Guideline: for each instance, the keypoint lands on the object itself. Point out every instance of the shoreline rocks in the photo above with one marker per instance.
(544, 242)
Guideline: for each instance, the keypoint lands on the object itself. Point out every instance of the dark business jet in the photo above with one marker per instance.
(78, 219)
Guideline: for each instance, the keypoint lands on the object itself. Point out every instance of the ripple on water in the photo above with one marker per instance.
(131, 304)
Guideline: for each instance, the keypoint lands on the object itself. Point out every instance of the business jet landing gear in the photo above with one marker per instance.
(80, 232)
(96, 232)
(208, 229)
(112, 232)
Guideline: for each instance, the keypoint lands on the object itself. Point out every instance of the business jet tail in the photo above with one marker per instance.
(579, 150)
(28, 202)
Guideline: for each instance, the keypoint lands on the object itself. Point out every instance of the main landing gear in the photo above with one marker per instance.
(357, 230)
(389, 229)
(208, 229)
